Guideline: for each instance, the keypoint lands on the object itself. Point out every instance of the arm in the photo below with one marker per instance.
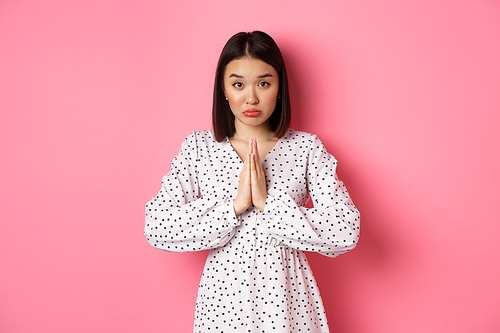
(331, 227)
(177, 219)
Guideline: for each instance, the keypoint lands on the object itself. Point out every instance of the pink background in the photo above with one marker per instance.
(97, 96)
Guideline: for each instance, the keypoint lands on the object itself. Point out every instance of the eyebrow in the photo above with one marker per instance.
(259, 77)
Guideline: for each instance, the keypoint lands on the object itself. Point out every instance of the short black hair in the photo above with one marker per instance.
(257, 45)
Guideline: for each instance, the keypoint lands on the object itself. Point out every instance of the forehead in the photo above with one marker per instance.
(248, 67)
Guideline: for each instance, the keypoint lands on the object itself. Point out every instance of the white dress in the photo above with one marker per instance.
(256, 277)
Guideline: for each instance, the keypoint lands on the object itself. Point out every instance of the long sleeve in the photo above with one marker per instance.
(331, 227)
(178, 219)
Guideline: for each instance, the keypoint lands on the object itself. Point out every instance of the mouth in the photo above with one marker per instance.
(252, 113)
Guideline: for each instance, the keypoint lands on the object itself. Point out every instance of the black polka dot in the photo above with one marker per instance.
(256, 277)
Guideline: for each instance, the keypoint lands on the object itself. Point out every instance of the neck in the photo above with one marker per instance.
(245, 133)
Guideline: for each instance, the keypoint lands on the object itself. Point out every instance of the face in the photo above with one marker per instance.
(251, 87)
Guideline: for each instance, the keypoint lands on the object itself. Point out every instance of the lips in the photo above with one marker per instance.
(252, 113)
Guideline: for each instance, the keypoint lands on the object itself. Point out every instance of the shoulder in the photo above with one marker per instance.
(202, 143)
(200, 138)
(308, 142)
(296, 137)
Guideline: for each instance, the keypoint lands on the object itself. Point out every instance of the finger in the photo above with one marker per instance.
(248, 168)
(250, 146)
(259, 191)
(255, 166)
(258, 161)
(255, 146)
(245, 171)
(250, 163)
(243, 198)
(254, 169)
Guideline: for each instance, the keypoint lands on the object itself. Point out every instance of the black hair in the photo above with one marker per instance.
(257, 45)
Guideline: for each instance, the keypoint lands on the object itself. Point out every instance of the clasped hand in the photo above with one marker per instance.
(252, 184)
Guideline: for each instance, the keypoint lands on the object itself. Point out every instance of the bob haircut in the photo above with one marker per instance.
(257, 45)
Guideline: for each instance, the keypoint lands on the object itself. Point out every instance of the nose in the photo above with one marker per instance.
(252, 98)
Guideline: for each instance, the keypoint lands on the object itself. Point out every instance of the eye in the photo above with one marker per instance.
(264, 84)
(238, 85)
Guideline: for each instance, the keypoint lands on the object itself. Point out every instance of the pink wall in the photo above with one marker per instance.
(96, 97)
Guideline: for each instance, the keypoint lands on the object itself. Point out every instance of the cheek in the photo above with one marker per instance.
(272, 97)
(233, 101)
(234, 98)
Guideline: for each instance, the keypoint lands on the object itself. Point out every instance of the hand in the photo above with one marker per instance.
(257, 178)
(244, 197)
(252, 184)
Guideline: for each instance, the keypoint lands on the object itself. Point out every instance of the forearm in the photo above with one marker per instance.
(330, 231)
(199, 225)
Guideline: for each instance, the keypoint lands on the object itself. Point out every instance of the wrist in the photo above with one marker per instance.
(238, 207)
(260, 205)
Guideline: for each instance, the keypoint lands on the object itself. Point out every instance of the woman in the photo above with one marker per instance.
(240, 191)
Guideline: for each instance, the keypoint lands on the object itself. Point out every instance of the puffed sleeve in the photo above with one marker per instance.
(178, 219)
(331, 227)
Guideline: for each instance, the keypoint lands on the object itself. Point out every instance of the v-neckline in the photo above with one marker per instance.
(265, 157)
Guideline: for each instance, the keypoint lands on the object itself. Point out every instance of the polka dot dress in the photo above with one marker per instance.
(256, 277)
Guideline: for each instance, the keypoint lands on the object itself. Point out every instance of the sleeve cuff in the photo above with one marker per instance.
(232, 219)
(269, 214)
(269, 205)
